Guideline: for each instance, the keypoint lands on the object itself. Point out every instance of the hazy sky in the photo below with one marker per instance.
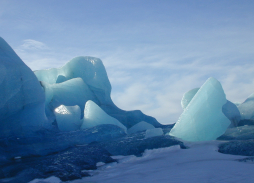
(153, 50)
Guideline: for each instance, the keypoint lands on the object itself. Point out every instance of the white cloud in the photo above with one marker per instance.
(30, 44)
(37, 55)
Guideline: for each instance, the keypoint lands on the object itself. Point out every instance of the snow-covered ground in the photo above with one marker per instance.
(200, 163)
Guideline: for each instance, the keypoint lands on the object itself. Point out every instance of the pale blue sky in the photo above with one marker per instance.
(154, 50)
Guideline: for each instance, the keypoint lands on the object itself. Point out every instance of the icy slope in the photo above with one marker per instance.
(22, 98)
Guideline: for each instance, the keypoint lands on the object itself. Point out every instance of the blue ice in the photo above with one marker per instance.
(22, 99)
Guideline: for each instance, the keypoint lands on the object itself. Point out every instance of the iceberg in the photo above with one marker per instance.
(141, 126)
(153, 132)
(247, 108)
(22, 106)
(229, 109)
(94, 116)
(203, 120)
(92, 71)
(68, 118)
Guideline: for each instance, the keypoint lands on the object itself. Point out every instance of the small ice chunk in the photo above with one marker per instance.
(94, 115)
(68, 118)
(141, 126)
(153, 132)
(203, 119)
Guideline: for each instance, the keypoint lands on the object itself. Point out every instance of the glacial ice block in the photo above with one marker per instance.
(94, 115)
(68, 93)
(229, 109)
(21, 96)
(90, 69)
(203, 119)
(187, 97)
(141, 126)
(247, 108)
(68, 118)
(153, 132)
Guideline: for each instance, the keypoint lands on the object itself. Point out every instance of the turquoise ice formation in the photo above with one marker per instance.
(30, 100)
(69, 93)
(229, 109)
(203, 119)
(68, 118)
(141, 126)
(94, 116)
(62, 87)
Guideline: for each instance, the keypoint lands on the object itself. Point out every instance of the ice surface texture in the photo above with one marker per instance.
(238, 133)
(203, 120)
(136, 143)
(238, 147)
(22, 98)
(66, 165)
(141, 126)
(60, 90)
(47, 142)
